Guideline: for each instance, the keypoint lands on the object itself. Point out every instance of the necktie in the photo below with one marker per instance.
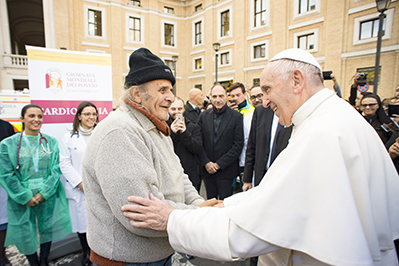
(279, 127)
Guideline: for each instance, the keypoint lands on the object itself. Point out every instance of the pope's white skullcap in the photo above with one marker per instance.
(297, 55)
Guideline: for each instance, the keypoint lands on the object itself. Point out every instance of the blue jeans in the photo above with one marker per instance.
(165, 262)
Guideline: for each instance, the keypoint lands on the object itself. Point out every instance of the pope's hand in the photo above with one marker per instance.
(150, 213)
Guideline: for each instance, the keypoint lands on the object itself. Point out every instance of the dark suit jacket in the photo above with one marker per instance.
(188, 145)
(190, 113)
(258, 146)
(228, 143)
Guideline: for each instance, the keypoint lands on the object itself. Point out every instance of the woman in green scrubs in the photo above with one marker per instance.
(36, 206)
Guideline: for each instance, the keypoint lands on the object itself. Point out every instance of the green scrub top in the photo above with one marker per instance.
(38, 172)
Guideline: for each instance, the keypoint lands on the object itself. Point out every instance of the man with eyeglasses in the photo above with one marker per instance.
(330, 198)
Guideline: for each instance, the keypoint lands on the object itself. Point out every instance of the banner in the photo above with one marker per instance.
(59, 80)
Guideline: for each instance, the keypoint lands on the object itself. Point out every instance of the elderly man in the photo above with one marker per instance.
(194, 104)
(330, 198)
(131, 153)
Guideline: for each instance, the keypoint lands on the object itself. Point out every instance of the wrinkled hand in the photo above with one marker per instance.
(80, 186)
(150, 213)
(246, 186)
(394, 149)
(211, 167)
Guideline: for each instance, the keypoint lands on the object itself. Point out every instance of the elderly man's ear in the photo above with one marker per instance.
(136, 94)
(298, 79)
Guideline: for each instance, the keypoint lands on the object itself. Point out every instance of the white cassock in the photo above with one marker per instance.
(330, 198)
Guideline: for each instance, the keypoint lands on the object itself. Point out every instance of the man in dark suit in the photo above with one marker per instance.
(222, 137)
(194, 104)
(187, 141)
(260, 140)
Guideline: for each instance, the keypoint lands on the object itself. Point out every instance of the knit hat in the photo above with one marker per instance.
(145, 66)
(297, 55)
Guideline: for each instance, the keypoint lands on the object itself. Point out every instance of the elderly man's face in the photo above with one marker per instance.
(177, 107)
(219, 97)
(238, 95)
(256, 96)
(277, 94)
(158, 98)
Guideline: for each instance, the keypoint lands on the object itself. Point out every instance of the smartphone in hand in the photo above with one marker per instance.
(179, 117)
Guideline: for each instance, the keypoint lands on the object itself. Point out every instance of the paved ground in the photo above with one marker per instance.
(75, 259)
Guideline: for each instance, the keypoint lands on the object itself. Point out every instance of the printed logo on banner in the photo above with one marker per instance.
(54, 79)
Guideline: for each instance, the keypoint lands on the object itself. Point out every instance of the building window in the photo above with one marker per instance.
(306, 42)
(198, 64)
(198, 33)
(306, 6)
(134, 2)
(169, 34)
(225, 23)
(260, 51)
(369, 29)
(169, 10)
(198, 8)
(134, 29)
(94, 20)
(370, 74)
(365, 29)
(225, 58)
(198, 86)
(260, 13)
(170, 64)
(256, 82)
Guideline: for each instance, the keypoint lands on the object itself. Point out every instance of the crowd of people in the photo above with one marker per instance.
(318, 181)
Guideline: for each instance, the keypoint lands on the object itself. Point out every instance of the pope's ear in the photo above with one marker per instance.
(136, 94)
(298, 78)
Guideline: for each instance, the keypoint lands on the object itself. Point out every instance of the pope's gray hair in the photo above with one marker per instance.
(284, 68)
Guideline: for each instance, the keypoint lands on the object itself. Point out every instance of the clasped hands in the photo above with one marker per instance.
(35, 200)
(153, 213)
(212, 167)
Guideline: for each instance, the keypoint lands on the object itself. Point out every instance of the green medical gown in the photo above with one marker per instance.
(39, 172)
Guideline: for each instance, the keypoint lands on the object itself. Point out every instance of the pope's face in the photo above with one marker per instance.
(219, 97)
(158, 98)
(277, 94)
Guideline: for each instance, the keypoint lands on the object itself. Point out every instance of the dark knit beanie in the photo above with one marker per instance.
(145, 66)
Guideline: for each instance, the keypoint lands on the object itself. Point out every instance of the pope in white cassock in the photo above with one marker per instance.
(330, 198)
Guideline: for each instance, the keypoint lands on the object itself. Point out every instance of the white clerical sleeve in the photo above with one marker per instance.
(208, 233)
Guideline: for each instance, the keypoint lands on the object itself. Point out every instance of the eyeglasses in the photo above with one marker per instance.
(259, 96)
(90, 114)
(368, 104)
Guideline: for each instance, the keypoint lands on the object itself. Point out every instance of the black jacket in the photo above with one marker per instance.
(226, 147)
(6, 129)
(258, 147)
(188, 145)
(190, 113)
